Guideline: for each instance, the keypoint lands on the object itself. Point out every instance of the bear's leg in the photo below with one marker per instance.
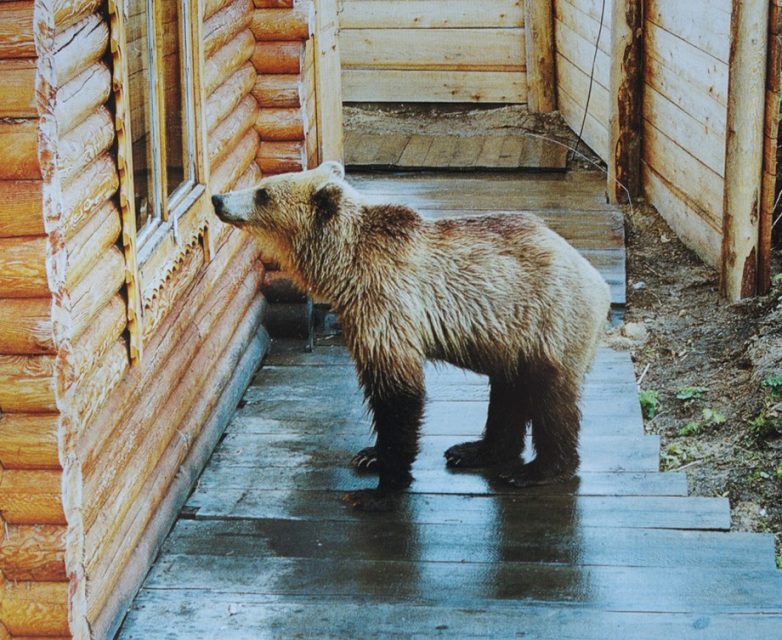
(555, 426)
(506, 425)
(397, 406)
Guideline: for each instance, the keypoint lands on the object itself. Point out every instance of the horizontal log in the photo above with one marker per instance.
(35, 609)
(105, 330)
(17, 90)
(81, 96)
(223, 26)
(278, 91)
(251, 177)
(280, 125)
(227, 96)
(273, 4)
(33, 552)
(89, 190)
(16, 30)
(94, 291)
(26, 326)
(213, 6)
(228, 133)
(91, 241)
(79, 46)
(85, 142)
(281, 157)
(111, 540)
(21, 135)
(23, 268)
(227, 59)
(29, 441)
(227, 172)
(282, 24)
(31, 496)
(27, 384)
(68, 12)
(86, 395)
(278, 57)
(20, 208)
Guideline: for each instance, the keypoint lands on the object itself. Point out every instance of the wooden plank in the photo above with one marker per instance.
(644, 588)
(17, 91)
(626, 101)
(29, 441)
(707, 29)
(26, 326)
(27, 384)
(704, 74)
(744, 149)
(685, 172)
(430, 14)
(575, 83)
(16, 30)
(22, 136)
(577, 17)
(435, 49)
(327, 55)
(580, 52)
(540, 56)
(415, 151)
(434, 86)
(595, 133)
(528, 541)
(687, 219)
(195, 612)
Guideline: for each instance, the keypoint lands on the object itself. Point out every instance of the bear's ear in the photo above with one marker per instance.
(261, 197)
(326, 201)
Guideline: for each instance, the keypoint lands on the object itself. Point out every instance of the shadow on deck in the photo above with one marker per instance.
(266, 547)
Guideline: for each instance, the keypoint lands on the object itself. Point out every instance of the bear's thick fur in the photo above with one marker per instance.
(502, 295)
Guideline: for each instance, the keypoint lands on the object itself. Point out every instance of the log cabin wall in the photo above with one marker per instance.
(576, 28)
(460, 51)
(685, 113)
(96, 453)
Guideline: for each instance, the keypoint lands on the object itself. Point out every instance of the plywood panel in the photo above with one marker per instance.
(443, 49)
(433, 86)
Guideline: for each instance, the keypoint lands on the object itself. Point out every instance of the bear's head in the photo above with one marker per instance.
(306, 220)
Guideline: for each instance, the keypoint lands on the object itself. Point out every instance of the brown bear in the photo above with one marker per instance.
(501, 295)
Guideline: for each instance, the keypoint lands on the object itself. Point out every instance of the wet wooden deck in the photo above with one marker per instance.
(267, 548)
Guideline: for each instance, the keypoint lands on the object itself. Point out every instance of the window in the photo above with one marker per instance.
(160, 101)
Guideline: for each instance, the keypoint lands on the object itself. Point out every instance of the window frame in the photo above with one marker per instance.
(152, 252)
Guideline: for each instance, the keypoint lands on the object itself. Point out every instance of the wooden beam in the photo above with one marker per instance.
(278, 57)
(87, 192)
(33, 552)
(282, 24)
(625, 101)
(227, 96)
(20, 208)
(17, 90)
(280, 124)
(276, 91)
(227, 59)
(223, 26)
(281, 157)
(23, 268)
(328, 83)
(95, 290)
(31, 496)
(90, 242)
(26, 326)
(34, 609)
(228, 171)
(92, 346)
(541, 55)
(27, 384)
(79, 47)
(85, 142)
(16, 29)
(81, 96)
(227, 134)
(22, 137)
(29, 441)
(744, 149)
(770, 142)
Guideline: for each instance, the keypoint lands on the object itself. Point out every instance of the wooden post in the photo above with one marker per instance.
(744, 148)
(770, 139)
(541, 55)
(328, 82)
(625, 95)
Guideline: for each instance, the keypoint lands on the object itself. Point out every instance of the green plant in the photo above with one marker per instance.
(779, 561)
(778, 472)
(710, 416)
(688, 393)
(690, 429)
(650, 402)
(774, 383)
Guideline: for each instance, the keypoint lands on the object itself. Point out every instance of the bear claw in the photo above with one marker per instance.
(365, 460)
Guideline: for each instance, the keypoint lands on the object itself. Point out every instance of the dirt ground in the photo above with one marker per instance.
(710, 373)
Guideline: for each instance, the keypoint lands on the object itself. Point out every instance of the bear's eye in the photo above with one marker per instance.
(261, 197)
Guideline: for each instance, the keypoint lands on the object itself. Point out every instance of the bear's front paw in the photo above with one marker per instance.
(365, 460)
(532, 474)
(472, 455)
(372, 500)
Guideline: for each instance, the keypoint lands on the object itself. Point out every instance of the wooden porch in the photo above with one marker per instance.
(266, 547)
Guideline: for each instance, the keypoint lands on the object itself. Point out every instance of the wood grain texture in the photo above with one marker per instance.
(707, 30)
(222, 26)
(226, 135)
(227, 59)
(88, 192)
(31, 496)
(22, 136)
(430, 14)
(227, 96)
(281, 157)
(33, 552)
(94, 291)
(327, 97)
(81, 96)
(17, 91)
(280, 125)
(91, 241)
(278, 91)
(22, 268)
(282, 24)
(90, 349)
(227, 172)
(16, 30)
(278, 57)
(29, 441)
(27, 384)
(79, 47)
(20, 208)
(35, 609)
(26, 326)
(540, 56)
(85, 142)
